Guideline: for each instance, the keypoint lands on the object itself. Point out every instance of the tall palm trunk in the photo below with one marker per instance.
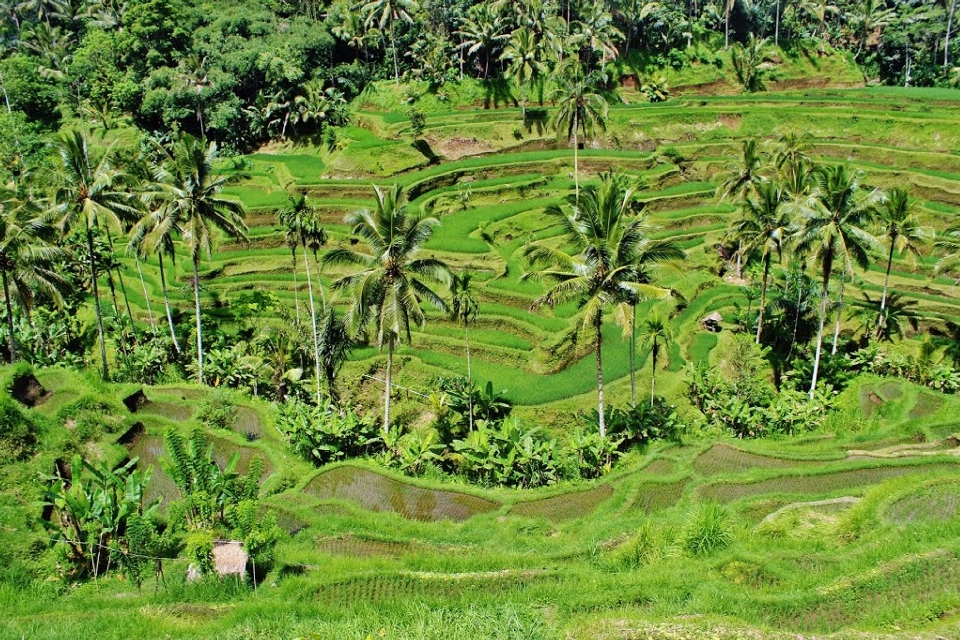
(763, 296)
(776, 27)
(576, 164)
(386, 393)
(11, 340)
(296, 286)
(466, 337)
(633, 355)
(313, 318)
(946, 42)
(96, 304)
(196, 300)
(123, 287)
(654, 352)
(827, 266)
(146, 296)
(166, 303)
(836, 330)
(886, 277)
(598, 324)
(393, 45)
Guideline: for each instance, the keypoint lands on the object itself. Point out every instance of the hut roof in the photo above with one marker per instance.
(230, 558)
(713, 317)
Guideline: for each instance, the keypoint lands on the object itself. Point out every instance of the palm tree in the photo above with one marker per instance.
(388, 288)
(580, 109)
(89, 193)
(299, 218)
(657, 334)
(901, 225)
(25, 256)
(949, 241)
(155, 233)
(523, 53)
(763, 228)
(603, 267)
(465, 308)
(198, 208)
(482, 30)
(385, 13)
(834, 228)
(738, 180)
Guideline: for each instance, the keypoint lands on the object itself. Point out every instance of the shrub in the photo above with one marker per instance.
(327, 434)
(19, 433)
(218, 411)
(708, 530)
(508, 455)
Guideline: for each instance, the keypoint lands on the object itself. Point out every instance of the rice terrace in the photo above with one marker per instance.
(451, 319)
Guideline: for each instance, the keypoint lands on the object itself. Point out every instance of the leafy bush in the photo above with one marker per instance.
(142, 363)
(218, 411)
(327, 433)
(19, 432)
(412, 453)
(594, 454)
(641, 424)
(91, 512)
(508, 455)
(708, 530)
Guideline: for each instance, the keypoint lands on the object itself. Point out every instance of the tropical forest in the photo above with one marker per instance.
(460, 319)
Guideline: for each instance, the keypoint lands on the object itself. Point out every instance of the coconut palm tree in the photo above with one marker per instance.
(656, 334)
(834, 229)
(198, 208)
(464, 308)
(89, 193)
(603, 268)
(949, 242)
(763, 229)
(384, 14)
(523, 54)
(26, 257)
(483, 30)
(738, 180)
(580, 109)
(387, 289)
(899, 223)
(155, 233)
(300, 220)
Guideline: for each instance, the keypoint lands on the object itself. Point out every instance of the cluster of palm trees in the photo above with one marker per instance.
(168, 194)
(827, 217)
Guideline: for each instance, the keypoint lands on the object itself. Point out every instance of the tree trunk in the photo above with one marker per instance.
(654, 352)
(946, 42)
(313, 318)
(11, 340)
(386, 393)
(796, 318)
(828, 265)
(726, 28)
(776, 27)
(763, 296)
(633, 355)
(196, 300)
(393, 45)
(96, 304)
(598, 324)
(886, 284)
(576, 164)
(146, 296)
(166, 303)
(296, 286)
(466, 335)
(836, 330)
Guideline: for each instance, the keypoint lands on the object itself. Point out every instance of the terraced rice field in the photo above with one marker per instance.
(490, 195)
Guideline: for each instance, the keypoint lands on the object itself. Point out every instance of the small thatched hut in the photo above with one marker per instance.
(712, 322)
(230, 558)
